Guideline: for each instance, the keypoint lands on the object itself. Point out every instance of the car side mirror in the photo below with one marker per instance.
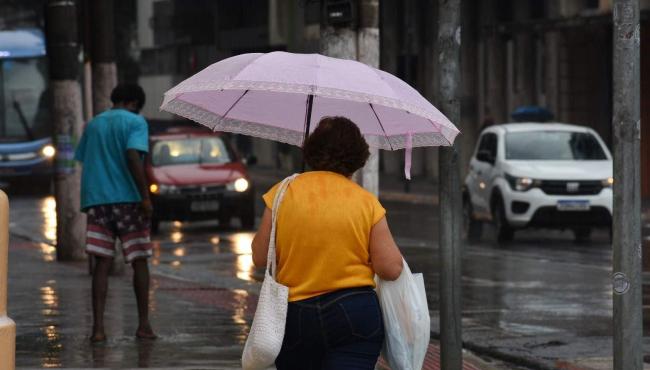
(250, 160)
(485, 156)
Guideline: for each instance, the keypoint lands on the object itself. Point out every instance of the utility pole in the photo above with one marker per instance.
(368, 53)
(448, 99)
(627, 282)
(104, 70)
(87, 71)
(104, 74)
(350, 30)
(65, 109)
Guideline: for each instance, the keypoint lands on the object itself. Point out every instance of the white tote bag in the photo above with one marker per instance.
(267, 331)
(406, 320)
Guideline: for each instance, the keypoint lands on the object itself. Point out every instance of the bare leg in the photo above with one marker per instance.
(141, 287)
(100, 288)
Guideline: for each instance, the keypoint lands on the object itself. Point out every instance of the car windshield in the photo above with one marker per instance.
(23, 99)
(553, 145)
(190, 151)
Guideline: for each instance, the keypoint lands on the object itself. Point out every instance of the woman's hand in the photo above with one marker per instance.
(261, 240)
(385, 257)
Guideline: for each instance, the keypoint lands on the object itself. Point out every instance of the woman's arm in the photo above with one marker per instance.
(385, 257)
(261, 240)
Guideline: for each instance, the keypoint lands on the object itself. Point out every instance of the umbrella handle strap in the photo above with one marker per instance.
(408, 155)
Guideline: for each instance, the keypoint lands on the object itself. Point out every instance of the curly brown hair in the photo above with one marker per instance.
(336, 145)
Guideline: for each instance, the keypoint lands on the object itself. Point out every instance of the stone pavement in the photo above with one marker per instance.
(205, 310)
(200, 326)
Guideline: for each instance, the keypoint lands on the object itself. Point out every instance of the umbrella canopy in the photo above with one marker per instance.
(282, 96)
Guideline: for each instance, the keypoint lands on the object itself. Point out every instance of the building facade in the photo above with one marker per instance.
(552, 53)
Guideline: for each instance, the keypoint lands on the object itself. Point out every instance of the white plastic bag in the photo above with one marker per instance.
(406, 320)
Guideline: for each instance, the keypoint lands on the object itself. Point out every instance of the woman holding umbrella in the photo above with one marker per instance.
(332, 237)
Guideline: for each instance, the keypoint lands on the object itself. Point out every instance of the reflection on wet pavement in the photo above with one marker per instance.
(204, 289)
(198, 325)
(48, 210)
(50, 301)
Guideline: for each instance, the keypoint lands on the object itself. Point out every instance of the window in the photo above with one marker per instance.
(489, 144)
(553, 146)
(23, 99)
(210, 150)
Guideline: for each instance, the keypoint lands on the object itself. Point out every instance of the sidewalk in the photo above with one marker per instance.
(201, 324)
(391, 187)
(201, 316)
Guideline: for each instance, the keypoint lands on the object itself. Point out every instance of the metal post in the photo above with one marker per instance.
(450, 188)
(7, 326)
(627, 282)
(65, 110)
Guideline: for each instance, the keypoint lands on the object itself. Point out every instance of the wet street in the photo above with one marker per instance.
(541, 297)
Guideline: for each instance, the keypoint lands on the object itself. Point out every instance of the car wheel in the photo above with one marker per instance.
(472, 228)
(155, 225)
(582, 234)
(505, 233)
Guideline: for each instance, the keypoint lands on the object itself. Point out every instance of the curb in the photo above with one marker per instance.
(490, 352)
(394, 196)
(30, 239)
(512, 359)
(384, 195)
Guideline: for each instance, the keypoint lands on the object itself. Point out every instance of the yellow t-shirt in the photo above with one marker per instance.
(323, 233)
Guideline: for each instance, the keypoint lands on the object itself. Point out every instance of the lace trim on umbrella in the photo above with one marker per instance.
(400, 141)
(429, 112)
(218, 123)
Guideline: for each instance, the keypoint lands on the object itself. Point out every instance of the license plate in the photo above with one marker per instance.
(573, 205)
(204, 206)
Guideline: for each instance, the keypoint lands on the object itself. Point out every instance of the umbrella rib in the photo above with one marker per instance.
(308, 109)
(382, 126)
(231, 107)
(310, 103)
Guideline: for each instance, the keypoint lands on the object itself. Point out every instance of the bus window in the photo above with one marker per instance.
(23, 112)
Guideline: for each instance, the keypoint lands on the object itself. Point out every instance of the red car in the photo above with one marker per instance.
(196, 175)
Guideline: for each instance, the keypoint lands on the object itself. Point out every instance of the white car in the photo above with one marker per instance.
(546, 175)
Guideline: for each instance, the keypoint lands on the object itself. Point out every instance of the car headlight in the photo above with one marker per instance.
(153, 188)
(48, 151)
(521, 183)
(608, 182)
(240, 185)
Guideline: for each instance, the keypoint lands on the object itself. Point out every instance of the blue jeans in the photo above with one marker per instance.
(341, 330)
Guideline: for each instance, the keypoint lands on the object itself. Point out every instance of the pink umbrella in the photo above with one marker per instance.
(282, 96)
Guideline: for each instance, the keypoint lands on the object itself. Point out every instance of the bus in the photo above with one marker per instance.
(26, 150)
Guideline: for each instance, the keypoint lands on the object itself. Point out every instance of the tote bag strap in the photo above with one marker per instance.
(271, 263)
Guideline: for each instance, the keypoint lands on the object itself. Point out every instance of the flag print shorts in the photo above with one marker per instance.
(125, 221)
